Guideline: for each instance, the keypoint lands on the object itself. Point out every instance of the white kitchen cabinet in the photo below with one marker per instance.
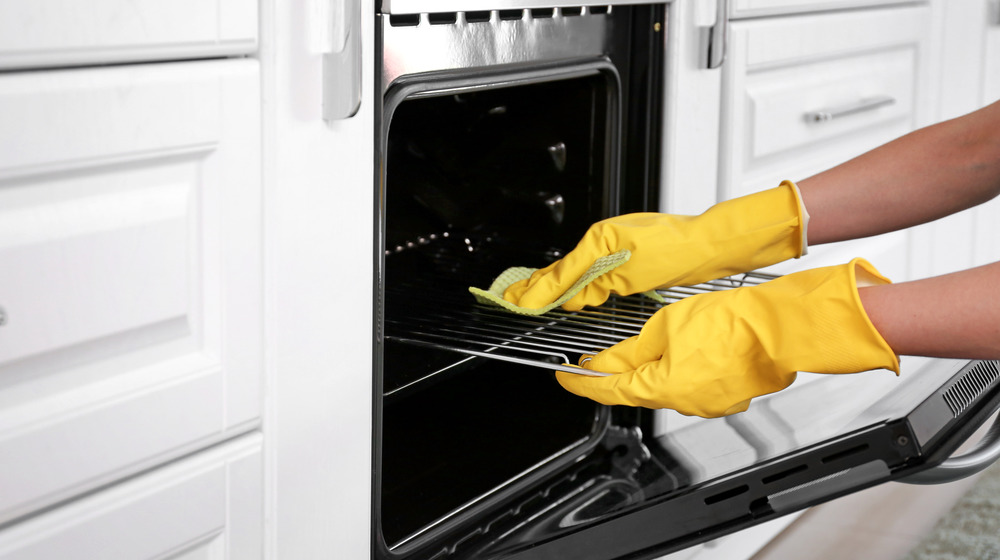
(801, 94)
(208, 507)
(783, 74)
(46, 33)
(131, 285)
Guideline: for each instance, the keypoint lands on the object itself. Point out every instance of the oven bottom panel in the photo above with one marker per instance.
(461, 441)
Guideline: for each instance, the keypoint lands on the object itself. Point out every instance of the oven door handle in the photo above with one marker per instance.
(718, 35)
(984, 454)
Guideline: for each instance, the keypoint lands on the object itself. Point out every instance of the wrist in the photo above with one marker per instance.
(803, 217)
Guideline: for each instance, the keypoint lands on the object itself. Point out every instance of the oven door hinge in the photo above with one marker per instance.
(628, 452)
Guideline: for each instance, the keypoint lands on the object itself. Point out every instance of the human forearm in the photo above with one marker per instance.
(925, 175)
(956, 315)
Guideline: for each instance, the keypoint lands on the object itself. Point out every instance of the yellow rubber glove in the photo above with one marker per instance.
(709, 355)
(734, 236)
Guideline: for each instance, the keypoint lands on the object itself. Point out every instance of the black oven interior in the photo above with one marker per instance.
(477, 181)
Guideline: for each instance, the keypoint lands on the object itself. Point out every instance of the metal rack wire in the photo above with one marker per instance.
(441, 314)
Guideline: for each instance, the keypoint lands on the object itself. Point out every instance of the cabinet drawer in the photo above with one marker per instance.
(43, 33)
(753, 8)
(804, 93)
(206, 507)
(130, 225)
(820, 102)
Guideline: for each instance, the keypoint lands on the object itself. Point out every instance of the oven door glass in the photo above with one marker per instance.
(823, 437)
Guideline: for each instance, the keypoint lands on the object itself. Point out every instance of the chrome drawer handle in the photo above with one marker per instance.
(3, 317)
(867, 104)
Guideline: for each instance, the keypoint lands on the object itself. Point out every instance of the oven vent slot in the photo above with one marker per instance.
(511, 15)
(966, 390)
(728, 494)
(478, 17)
(404, 20)
(485, 16)
(451, 320)
(443, 18)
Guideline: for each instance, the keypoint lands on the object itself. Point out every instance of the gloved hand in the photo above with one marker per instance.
(710, 354)
(734, 236)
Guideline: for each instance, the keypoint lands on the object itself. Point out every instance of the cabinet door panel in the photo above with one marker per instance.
(855, 94)
(130, 225)
(45, 33)
(194, 510)
(863, 71)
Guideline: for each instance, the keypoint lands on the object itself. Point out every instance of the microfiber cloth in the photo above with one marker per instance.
(603, 265)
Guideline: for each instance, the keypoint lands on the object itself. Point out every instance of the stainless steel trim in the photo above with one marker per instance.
(460, 44)
(440, 6)
(984, 454)
(863, 105)
(718, 35)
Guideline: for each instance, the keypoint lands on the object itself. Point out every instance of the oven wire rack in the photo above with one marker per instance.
(451, 320)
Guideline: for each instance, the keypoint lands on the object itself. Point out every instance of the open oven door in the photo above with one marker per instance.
(639, 494)
(822, 438)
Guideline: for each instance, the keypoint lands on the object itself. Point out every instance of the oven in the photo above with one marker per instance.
(504, 132)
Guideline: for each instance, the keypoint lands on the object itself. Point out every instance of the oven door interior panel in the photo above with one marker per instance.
(809, 444)
(484, 168)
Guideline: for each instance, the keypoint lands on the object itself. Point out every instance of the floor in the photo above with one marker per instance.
(882, 523)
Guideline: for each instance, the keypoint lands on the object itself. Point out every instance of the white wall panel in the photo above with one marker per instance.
(320, 192)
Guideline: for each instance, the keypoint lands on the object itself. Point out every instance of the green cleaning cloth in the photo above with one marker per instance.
(603, 265)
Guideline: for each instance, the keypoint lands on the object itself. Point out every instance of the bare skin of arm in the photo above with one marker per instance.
(956, 315)
(925, 175)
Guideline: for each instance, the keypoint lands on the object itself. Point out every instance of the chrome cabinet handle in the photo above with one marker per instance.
(866, 104)
(335, 29)
(3, 316)
(984, 454)
(718, 35)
